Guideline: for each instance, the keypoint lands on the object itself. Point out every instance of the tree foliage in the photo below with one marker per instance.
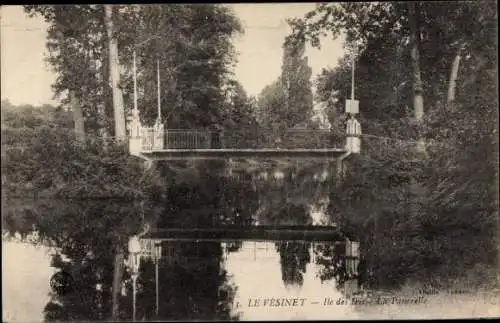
(429, 217)
(271, 104)
(296, 78)
(185, 39)
(288, 101)
(193, 46)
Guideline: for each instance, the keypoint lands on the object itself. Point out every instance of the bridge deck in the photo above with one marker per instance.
(254, 233)
(267, 153)
(155, 143)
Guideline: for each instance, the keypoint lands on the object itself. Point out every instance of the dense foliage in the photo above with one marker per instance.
(184, 39)
(425, 217)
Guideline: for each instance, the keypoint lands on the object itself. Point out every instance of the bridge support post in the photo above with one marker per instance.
(135, 133)
(159, 132)
(353, 139)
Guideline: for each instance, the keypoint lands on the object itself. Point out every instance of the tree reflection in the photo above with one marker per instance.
(83, 301)
(294, 257)
(287, 201)
(193, 285)
(330, 257)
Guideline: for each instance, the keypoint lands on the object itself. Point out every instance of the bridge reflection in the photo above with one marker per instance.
(194, 257)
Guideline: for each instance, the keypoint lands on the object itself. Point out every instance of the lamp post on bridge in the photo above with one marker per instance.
(353, 127)
(134, 121)
(158, 127)
(135, 126)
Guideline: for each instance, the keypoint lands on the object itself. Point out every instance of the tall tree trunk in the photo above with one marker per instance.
(114, 76)
(78, 121)
(120, 134)
(103, 106)
(415, 187)
(117, 283)
(452, 86)
(418, 90)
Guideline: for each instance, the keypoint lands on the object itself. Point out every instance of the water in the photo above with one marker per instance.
(274, 280)
(25, 290)
(25, 281)
(269, 285)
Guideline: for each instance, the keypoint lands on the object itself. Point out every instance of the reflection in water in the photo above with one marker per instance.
(197, 281)
(193, 285)
(294, 256)
(332, 264)
(214, 280)
(262, 279)
(25, 280)
(84, 300)
(202, 281)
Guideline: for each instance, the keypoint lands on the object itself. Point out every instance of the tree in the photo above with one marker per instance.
(239, 108)
(425, 223)
(295, 77)
(271, 103)
(77, 117)
(78, 54)
(193, 46)
(114, 73)
(179, 36)
(418, 96)
(288, 100)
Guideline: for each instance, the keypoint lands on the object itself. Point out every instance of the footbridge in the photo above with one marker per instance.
(158, 143)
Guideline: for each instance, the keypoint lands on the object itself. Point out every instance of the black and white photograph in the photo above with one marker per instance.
(250, 161)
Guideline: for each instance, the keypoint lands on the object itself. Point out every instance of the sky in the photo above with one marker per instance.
(27, 79)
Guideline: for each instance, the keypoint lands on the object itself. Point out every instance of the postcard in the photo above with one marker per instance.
(250, 161)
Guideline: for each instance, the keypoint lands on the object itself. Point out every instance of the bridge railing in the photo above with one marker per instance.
(385, 145)
(257, 138)
(288, 139)
(189, 139)
(242, 139)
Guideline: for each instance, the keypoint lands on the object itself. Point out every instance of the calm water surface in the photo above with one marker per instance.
(223, 281)
(256, 272)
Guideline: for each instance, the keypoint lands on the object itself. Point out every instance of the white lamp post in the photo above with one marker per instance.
(158, 127)
(353, 129)
(135, 124)
(156, 258)
(134, 253)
